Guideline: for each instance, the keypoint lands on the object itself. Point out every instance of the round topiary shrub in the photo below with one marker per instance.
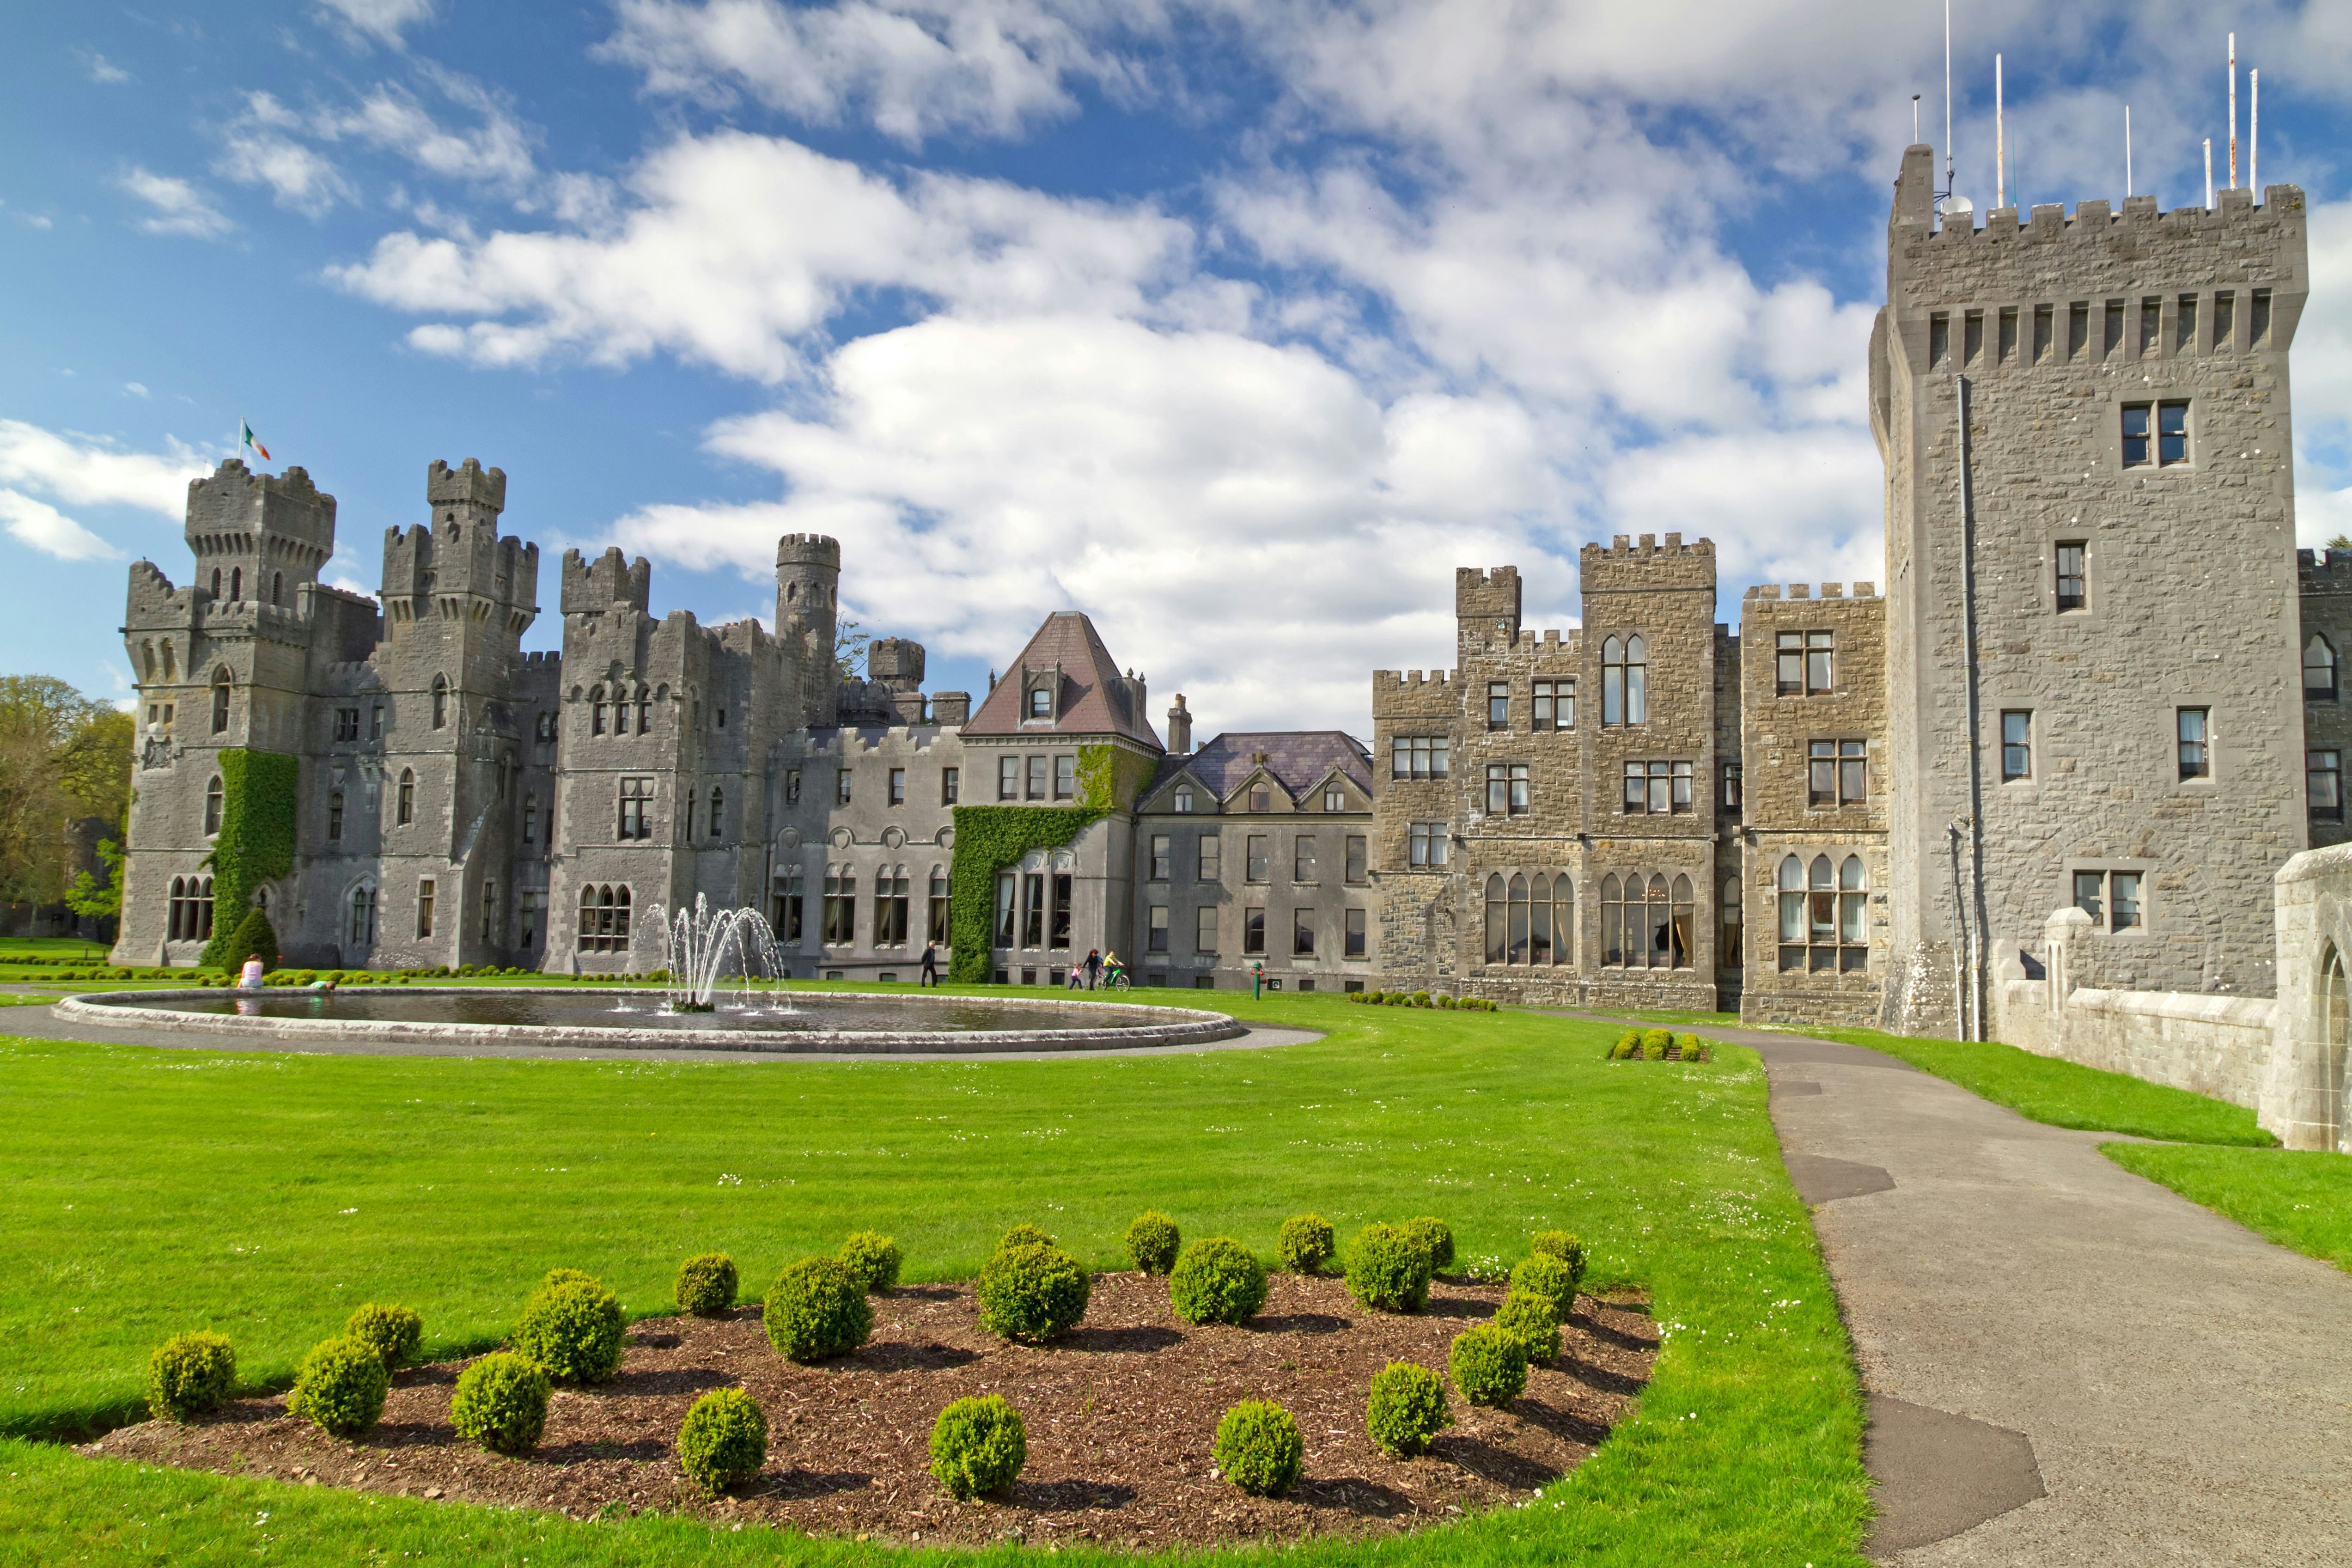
(707, 1285)
(1387, 1269)
(817, 1309)
(340, 1387)
(1307, 1243)
(395, 1332)
(1151, 1242)
(190, 1375)
(1547, 1275)
(573, 1328)
(1033, 1291)
(978, 1446)
(1217, 1280)
(1690, 1048)
(1563, 1245)
(1628, 1047)
(1489, 1366)
(1655, 1043)
(874, 1259)
(1406, 1410)
(724, 1440)
(1531, 1318)
(1437, 1236)
(567, 1277)
(500, 1403)
(1025, 1236)
(1258, 1448)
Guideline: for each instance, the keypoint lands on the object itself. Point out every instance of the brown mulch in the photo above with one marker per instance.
(1121, 1416)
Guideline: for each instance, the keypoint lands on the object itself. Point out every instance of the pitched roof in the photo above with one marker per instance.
(1096, 699)
(1298, 759)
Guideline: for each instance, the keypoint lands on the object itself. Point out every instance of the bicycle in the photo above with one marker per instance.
(1116, 979)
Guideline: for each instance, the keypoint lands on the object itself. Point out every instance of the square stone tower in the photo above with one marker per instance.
(2094, 692)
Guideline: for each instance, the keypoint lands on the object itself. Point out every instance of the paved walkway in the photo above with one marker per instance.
(2067, 1364)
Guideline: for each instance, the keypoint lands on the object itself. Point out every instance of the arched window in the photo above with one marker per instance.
(1792, 913)
(334, 814)
(364, 915)
(717, 810)
(1824, 915)
(175, 924)
(1612, 681)
(220, 702)
(1041, 703)
(1563, 920)
(1726, 951)
(235, 583)
(603, 919)
(216, 592)
(2319, 670)
(646, 713)
(891, 907)
(1612, 921)
(1637, 682)
(546, 730)
(1184, 798)
(1685, 923)
(1498, 949)
(204, 909)
(404, 806)
(440, 701)
(2328, 1065)
(1853, 916)
(939, 931)
(213, 802)
(1538, 919)
(1518, 951)
(1656, 921)
(596, 710)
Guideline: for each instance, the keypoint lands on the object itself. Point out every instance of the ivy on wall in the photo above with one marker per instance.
(1111, 777)
(255, 842)
(988, 839)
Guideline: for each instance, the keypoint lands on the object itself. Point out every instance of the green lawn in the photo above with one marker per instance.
(145, 1192)
(2298, 1198)
(52, 949)
(2067, 1094)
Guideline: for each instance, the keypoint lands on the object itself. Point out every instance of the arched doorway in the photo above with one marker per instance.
(2327, 1062)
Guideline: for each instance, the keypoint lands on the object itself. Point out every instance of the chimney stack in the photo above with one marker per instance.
(1179, 728)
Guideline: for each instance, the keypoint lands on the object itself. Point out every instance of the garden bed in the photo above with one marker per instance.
(1121, 1416)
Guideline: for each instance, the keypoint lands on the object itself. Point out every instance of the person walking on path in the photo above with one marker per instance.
(1094, 966)
(930, 965)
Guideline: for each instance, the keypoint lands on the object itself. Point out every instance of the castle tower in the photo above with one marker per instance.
(257, 538)
(1486, 607)
(808, 586)
(2094, 688)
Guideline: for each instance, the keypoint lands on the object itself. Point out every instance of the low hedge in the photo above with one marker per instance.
(1436, 1238)
(1533, 1319)
(1547, 1275)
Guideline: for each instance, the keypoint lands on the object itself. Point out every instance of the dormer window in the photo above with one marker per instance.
(1184, 798)
(1041, 703)
(1260, 798)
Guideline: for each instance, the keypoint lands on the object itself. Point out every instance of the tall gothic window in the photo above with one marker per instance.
(214, 801)
(440, 701)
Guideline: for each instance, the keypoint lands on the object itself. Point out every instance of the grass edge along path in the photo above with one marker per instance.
(1746, 1446)
(2299, 1198)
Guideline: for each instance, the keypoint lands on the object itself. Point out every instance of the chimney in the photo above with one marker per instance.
(1179, 728)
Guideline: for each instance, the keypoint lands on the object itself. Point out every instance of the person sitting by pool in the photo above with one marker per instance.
(249, 979)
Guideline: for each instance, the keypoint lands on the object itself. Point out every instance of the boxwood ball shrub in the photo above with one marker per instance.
(1217, 1280)
(500, 1403)
(1531, 1318)
(567, 1277)
(340, 1387)
(1437, 1236)
(1628, 1047)
(817, 1309)
(1033, 1291)
(190, 1375)
(724, 1440)
(1258, 1448)
(395, 1332)
(1152, 1241)
(1655, 1043)
(1489, 1365)
(1407, 1409)
(1387, 1269)
(978, 1446)
(1025, 1236)
(1307, 1243)
(573, 1328)
(874, 1259)
(1564, 1244)
(1692, 1048)
(707, 1285)
(1547, 1275)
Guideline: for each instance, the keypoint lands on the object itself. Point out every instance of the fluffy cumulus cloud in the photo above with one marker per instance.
(40, 526)
(378, 21)
(82, 471)
(449, 127)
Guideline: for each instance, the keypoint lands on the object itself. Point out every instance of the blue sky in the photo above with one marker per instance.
(1238, 326)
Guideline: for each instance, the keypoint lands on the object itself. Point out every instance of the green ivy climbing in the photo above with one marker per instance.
(988, 839)
(255, 842)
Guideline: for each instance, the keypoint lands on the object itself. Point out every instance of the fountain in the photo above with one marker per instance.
(699, 942)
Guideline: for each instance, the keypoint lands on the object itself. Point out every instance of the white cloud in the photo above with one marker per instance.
(381, 20)
(82, 470)
(135, 388)
(45, 528)
(916, 70)
(258, 149)
(179, 207)
(270, 142)
(105, 72)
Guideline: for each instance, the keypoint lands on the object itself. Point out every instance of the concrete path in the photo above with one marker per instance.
(42, 1023)
(2067, 1364)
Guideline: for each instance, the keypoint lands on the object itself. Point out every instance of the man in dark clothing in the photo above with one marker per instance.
(930, 965)
(1094, 966)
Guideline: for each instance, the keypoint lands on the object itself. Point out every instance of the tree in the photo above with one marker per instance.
(98, 897)
(2341, 542)
(848, 646)
(63, 759)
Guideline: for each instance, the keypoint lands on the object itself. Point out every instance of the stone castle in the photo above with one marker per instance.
(2098, 678)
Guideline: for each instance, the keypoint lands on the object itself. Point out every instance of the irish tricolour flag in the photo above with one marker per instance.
(246, 438)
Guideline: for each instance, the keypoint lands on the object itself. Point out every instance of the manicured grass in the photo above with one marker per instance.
(52, 949)
(145, 1191)
(2067, 1094)
(2298, 1198)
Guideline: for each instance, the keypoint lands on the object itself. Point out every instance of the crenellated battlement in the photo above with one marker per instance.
(1646, 564)
(1438, 681)
(1625, 547)
(1770, 594)
(2098, 221)
(467, 484)
(605, 585)
(2324, 571)
(808, 550)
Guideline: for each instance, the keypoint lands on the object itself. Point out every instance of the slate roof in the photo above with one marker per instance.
(1298, 759)
(1096, 699)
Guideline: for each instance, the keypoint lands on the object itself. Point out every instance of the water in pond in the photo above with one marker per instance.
(803, 1012)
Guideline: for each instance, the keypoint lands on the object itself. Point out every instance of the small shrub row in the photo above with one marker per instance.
(1423, 999)
(1660, 1045)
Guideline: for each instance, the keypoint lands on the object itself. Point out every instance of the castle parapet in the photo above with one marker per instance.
(607, 583)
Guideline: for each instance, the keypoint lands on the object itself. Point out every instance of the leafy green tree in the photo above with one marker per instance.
(63, 759)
